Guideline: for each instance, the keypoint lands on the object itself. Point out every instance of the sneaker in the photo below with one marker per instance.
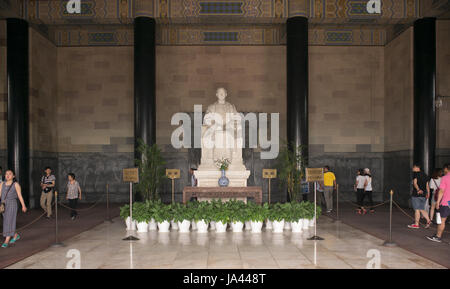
(434, 238)
(413, 226)
(428, 225)
(329, 211)
(5, 245)
(73, 218)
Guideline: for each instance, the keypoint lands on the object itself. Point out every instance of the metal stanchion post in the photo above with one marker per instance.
(131, 237)
(57, 243)
(390, 243)
(315, 237)
(108, 216)
(337, 205)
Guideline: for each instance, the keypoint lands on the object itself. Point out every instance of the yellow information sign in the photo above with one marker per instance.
(314, 174)
(131, 175)
(269, 173)
(173, 173)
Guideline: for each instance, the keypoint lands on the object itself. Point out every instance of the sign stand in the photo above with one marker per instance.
(269, 174)
(173, 174)
(314, 175)
(131, 175)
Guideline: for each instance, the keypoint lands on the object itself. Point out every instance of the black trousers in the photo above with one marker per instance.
(73, 206)
(369, 196)
(360, 197)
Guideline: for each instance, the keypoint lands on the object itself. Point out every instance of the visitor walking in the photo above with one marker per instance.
(73, 194)
(359, 189)
(433, 189)
(419, 197)
(47, 185)
(329, 183)
(368, 188)
(443, 204)
(10, 191)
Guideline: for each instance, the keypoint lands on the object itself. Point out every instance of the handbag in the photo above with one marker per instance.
(2, 205)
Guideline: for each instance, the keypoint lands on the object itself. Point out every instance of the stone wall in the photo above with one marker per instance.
(42, 110)
(399, 96)
(3, 94)
(346, 123)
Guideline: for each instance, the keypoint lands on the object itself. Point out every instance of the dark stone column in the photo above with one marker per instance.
(144, 81)
(17, 72)
(297, 82)
(424, 93)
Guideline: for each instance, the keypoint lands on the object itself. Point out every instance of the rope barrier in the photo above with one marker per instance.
(27, 225)
(411, 217)
(369, 207)
(81, 210)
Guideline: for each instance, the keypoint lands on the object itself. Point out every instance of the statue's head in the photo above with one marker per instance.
(221, 93)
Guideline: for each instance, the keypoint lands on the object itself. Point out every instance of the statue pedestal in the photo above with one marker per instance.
(210, 178)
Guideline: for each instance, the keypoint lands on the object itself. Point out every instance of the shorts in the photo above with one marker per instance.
(444, 211)
(418, 203)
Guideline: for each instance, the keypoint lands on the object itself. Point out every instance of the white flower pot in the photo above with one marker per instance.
(256, 226)
(212, 225)
(237, 227)
(152, 226)
(305, 223)
(164, 227)
(142, 227)
(183, 227)
(193, 225)
(311, 222)
(202, 226)
(297, 226)
(174, 225)
(278, 226)
(131, 226)
(221, 227)
(287, 225)
(248, 225)
(269, 225)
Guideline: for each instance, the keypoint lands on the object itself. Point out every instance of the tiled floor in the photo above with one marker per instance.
(343, 247)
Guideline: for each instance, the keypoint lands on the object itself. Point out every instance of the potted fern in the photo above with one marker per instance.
(202, 216)
(183, 216)
(163, 215)
(276, 214)
(296, 217)
(257, 216)
(151, 170)
(220, 216)
(142, 216)
(237, 215)
(291, 169)
(125, 215)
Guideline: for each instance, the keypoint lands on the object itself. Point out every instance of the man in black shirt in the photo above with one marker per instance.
(419, 196)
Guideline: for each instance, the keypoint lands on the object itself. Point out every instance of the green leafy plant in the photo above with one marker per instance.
(124, 211)
(141, 212)
(182, 212)
(202, 211)
(237, 211)
(291, 169)
(220, 211)
(162, 212)
(258, 213)
(151, 170)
